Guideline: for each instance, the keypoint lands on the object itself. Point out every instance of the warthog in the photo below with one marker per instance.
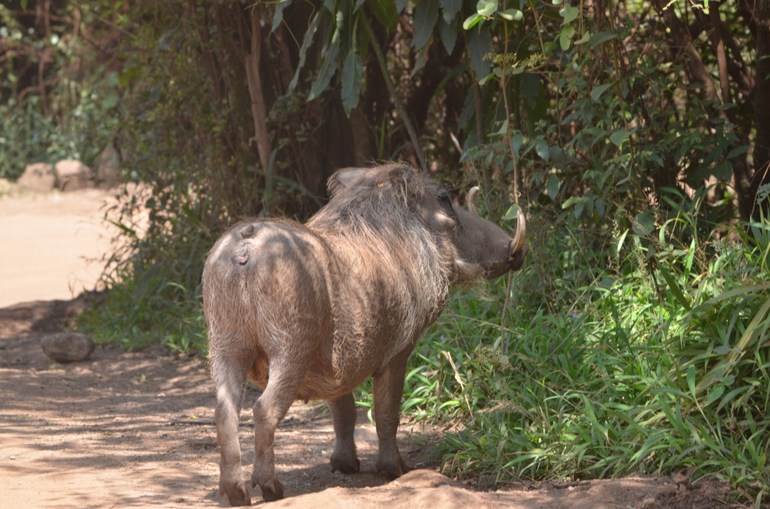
(310, 311)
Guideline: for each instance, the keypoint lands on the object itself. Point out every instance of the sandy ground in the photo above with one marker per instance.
(50, 245)
(136, 429)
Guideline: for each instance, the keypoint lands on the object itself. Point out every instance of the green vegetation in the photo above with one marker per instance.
(633, 134)
(654, 366)
(73, 114)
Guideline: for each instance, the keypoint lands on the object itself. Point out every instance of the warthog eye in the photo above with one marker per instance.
(445, 201)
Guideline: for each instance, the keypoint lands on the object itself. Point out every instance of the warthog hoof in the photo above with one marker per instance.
(346, 465)
(272, 490)
(392, 470)
(237, 494)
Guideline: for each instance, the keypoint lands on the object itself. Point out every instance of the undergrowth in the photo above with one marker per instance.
(659, 361)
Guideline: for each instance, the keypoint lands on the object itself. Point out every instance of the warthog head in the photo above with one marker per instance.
(479, 248)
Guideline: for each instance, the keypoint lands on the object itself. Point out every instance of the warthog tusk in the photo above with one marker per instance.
(470, 200)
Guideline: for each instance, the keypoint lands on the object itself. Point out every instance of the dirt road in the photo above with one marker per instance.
(50, 244)
(136, 429)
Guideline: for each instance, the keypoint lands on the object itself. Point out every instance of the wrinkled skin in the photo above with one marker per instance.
(310, 311)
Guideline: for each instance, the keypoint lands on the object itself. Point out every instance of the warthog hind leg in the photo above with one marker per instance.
(230, 379)
(269, 409)
(344, 415)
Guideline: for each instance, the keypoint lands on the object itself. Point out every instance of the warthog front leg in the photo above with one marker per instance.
(344, 416)
(388, 388)
(230, 379)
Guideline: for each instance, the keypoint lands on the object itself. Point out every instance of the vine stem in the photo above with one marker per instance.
(508, 120)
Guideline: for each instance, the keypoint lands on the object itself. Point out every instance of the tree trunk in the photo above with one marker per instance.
(761, 18)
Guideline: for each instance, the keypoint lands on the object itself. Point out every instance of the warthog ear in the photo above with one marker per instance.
(344, 178)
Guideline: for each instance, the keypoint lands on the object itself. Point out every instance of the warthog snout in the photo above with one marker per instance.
(310, 311)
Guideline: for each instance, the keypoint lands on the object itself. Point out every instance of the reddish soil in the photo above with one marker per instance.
(136, 430)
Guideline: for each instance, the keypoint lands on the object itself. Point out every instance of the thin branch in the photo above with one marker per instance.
(393, 93)
(719, 49)
(258, 108)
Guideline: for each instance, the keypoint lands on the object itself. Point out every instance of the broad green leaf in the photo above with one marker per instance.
(620, 136)
(552, 186)
(504, 125)
(511, 14)
(329, 65)
(569, 13)
(583, 38)
(676, 290)
(421, 58)
(598, 90)
(565, 37)
(577, 210)
(472, 20)
(479, 44)
(511, 213)
(450, 8)
(385, 12)
(715, 393)
(643, 223)
(542, 150)
(425, 17)
(691, 380)
(110, 100)
(729, 397)
(601, 37)
(352, 70)
(517, 140)
(621, 241)
(448, 34)
(486, 8)
(570, 202)
(737, 151)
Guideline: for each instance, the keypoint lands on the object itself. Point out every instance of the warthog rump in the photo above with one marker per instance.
(310, 311)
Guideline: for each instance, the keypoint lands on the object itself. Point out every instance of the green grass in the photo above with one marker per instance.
(138, 312)
(659, 363)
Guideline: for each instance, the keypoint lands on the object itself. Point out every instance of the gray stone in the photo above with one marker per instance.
(67, 346)
(38, 178)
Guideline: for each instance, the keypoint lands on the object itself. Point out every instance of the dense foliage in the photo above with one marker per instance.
(634, 135)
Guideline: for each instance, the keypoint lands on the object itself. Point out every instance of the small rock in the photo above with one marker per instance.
(67, 346)
(37, 177)
(71, 175)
